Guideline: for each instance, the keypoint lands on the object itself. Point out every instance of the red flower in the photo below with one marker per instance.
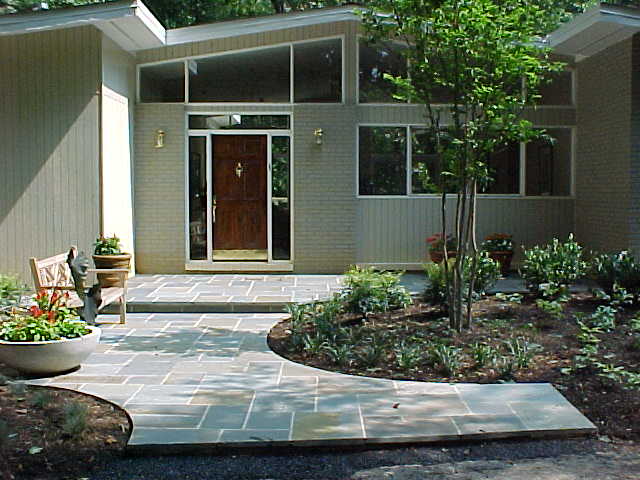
(51, 316)
(35, 311)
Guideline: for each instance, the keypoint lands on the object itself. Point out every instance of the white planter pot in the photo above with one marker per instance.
(54, 356)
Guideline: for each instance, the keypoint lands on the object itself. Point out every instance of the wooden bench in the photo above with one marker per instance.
(53, 273)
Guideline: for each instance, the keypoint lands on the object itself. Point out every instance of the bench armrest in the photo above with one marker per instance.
(109, 270)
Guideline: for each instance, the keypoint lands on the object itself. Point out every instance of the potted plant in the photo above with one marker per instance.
(47, 337)
(499, 246)
(108, 254)
(437, 244)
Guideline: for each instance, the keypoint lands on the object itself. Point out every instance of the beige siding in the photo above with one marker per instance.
(49, 144)
(394, 230)
(159, 200)
(604, 148)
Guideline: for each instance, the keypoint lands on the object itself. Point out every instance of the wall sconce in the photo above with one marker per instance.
(318, 133)
(159, 139)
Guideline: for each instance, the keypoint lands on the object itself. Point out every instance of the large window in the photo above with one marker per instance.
(375, 61)
(304, 72)
(549, 164)
(259, 76)
(318, 71)
(388, 165)
(162, 83)
(383, 160)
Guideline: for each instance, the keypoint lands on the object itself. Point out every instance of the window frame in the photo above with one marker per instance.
(185, 60)
(571, 69)
(409, 167)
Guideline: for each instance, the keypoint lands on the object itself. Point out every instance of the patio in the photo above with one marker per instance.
(226, 292)
(194, 380)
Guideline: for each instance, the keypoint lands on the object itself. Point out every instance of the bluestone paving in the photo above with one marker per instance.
(227, 293)
(211, 379)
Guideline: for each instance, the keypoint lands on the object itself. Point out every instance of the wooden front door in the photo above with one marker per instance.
(240, 197)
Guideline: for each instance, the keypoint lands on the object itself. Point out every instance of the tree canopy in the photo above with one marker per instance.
(180, 13)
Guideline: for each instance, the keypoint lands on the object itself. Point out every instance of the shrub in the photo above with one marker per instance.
(487, 274)
(436, 290)
(370, 291)
(549, 270)
(611, 269)
(11, 291)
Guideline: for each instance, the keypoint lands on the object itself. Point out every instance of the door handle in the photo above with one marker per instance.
(213, 209)
(239, 170)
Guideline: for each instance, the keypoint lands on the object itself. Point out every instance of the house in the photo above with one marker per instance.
(273, 144)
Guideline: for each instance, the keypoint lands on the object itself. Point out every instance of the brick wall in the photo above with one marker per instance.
(159, 202)
(604, 148)
(634, 208)
(324, 188)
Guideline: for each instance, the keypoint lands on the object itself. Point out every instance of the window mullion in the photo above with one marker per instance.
(409, 151)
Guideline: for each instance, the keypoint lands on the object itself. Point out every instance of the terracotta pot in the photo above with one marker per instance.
(504, 259)
(111, 261)
(437, 257)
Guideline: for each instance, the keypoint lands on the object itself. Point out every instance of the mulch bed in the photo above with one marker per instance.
(37, 445)
(613, 409)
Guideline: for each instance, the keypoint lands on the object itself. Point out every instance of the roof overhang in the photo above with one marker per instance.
(270, 23)
(595, 30)
(129, 23)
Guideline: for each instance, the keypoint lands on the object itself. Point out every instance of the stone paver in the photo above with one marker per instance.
(564, 467)
(200, 379)
(226, 292)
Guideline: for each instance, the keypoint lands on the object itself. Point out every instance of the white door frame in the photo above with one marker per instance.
(238, 265)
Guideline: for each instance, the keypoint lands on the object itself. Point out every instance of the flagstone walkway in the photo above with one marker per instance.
(211, 380)
(226, 292)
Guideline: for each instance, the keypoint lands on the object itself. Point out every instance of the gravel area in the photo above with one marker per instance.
(498, 460)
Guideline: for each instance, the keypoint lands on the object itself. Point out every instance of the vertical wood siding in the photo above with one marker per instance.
(49, 144)
(246, 41)
(394, 230)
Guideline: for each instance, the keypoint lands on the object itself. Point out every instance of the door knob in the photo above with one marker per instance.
(239, 170)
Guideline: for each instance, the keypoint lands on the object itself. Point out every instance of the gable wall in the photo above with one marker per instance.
(49, 144)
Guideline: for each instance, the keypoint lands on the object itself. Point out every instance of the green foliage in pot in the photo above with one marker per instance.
(107, 246)
(368, 291)
(49, 319)
(498, 242)
(611, 269)
(11, 291)
(548, 270)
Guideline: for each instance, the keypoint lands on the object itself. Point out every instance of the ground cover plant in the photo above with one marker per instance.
(586, 344)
